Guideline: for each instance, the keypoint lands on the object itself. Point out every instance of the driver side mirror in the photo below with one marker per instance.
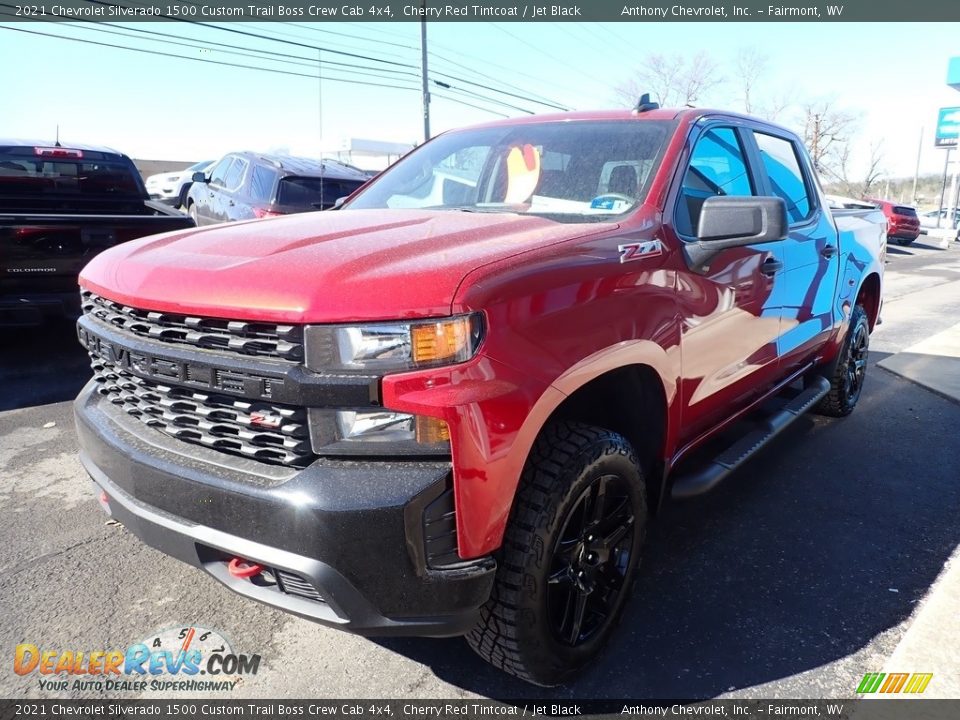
(727, 222)
(199, 177)
(338, 203)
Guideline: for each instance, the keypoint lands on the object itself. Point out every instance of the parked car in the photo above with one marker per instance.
(166, 187)
(59, 207)
(840, 202)
(930, 219)
(246, 185)
(454, 407)
(903, 225)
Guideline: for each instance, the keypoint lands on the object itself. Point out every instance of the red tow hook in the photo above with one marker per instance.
(245, 569)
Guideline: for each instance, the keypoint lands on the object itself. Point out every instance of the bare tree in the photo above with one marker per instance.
(874, 169)
(749, 69)
(826, 132)
(671, 80)
(749, 66)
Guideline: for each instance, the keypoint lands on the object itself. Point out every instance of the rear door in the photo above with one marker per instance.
(730, 314)
(811, 252)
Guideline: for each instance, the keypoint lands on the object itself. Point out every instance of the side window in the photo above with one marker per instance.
(261, 183)
(786, 179)
(717, 167)
(234, 175)
(219, 172)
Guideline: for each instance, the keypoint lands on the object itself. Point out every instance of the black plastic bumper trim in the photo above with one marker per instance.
(341, 526)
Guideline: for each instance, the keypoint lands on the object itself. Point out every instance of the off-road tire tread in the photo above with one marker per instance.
(543, 483)
(834, 403)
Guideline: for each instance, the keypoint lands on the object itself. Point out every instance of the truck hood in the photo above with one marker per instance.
(343, 266)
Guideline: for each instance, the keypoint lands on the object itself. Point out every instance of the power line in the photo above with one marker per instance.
(478, 96)
(264, 37)
(511, 70)
(463, 102)
(263, 69)
(527, 95)
(202, 60)
(541, 51)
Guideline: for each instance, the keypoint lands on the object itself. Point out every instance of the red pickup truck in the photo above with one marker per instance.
(453, 406)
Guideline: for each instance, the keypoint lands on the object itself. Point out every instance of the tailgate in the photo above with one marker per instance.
(45, 253)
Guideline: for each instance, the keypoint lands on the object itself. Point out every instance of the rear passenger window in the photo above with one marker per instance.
(261, 184)
(786, 179)
(717, 167)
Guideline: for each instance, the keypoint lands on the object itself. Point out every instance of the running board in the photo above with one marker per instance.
(694, 483)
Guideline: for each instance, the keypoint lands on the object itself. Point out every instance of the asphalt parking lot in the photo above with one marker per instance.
(793, 579)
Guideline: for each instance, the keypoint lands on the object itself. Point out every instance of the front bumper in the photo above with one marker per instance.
(349, 538)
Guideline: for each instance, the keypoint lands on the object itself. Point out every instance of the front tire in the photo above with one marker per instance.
(569, 555)
(847, 376)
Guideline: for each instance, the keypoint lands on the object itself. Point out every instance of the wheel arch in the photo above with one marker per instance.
(869, 296)
(630, 400)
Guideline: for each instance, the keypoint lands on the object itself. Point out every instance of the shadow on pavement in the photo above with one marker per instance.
(825, 540)
(41, 365)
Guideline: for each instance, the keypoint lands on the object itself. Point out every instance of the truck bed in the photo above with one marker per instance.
(42, 254)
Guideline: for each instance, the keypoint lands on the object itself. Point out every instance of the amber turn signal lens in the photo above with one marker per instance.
(446, 340)
(432, 430)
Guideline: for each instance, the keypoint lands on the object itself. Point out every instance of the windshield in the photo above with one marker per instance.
(570, 171)
(197, 167)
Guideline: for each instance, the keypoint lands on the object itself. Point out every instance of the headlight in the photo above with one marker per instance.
(393, 347)
(377, 432)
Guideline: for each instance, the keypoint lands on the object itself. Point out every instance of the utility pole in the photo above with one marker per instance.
(423, 71)
(916, 172)
(943, 185)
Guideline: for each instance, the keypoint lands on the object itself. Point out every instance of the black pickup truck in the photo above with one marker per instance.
(60, 206)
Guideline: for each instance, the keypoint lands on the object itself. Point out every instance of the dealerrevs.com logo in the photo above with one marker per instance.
(178, 659)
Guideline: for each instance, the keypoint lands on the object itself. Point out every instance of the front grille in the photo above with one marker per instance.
(268, 432)
(294, 584)
(284, 342)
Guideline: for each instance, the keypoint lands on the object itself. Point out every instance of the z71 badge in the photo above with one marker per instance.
(639, 250)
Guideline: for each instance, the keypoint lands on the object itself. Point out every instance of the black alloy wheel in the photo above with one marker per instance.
(591, 557)
(848, 370)
(857, 363)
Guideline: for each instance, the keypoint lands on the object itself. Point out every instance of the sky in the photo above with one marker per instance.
(891, 76)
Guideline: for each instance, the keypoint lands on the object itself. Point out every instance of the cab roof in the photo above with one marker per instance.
(690, 115)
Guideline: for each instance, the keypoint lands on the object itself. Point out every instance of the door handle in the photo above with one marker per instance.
(829, 251)
(771, 266)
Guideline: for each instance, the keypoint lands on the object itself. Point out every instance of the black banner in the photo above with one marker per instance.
(477, 10)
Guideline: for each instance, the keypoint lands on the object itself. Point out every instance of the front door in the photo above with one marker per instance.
(730, 313)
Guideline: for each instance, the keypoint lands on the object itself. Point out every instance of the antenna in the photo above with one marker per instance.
(644, 104)
(57, 143)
